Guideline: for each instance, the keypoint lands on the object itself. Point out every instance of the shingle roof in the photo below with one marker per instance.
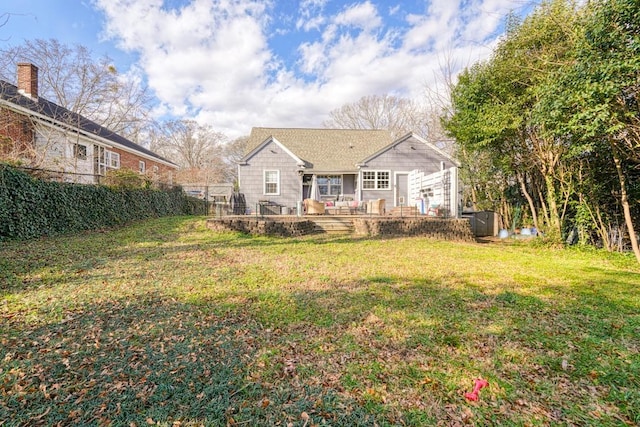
(326, 149)
(9, 93)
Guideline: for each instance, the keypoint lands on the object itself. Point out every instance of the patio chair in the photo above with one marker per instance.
(313, 207)
(377, 207)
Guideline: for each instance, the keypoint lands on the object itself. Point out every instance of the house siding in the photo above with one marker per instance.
(47, 147)
(45, 136)
(402, 158)
(251, 177)
(287, 149)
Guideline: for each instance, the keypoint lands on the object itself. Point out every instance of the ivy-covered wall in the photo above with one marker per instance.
(31, 208)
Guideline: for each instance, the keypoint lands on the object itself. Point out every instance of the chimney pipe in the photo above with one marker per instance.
(28, 80)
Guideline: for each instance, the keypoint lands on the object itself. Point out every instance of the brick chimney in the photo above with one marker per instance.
(28, 80)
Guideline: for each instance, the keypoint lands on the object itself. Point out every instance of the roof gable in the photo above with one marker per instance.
(418, 139)
(61, 116)
(324, 150)
(266, 142)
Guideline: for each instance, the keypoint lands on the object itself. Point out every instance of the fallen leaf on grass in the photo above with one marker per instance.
(43, 414)
(289, 367)
(467, 416)
(74, 414)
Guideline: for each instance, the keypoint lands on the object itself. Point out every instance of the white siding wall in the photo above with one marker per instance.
(56, 149)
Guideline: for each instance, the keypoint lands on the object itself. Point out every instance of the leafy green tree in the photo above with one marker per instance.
(594, 102)
(493, 103)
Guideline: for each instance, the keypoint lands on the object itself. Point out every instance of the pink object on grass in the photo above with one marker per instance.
(479, 384)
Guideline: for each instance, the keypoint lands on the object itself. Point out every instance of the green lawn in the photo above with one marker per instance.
(167, 323)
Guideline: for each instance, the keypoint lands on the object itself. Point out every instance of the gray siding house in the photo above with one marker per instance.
(346, 164)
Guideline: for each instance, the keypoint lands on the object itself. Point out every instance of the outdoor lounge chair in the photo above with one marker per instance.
(376, 207)
(313, 207)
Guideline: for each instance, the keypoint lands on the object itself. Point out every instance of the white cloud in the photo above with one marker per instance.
(310, 12)
(211, 59)
(363, 15)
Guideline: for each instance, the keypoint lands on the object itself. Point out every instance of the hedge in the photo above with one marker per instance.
(31, 207)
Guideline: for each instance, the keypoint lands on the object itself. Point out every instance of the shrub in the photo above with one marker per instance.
(126, 178)
(31, 207)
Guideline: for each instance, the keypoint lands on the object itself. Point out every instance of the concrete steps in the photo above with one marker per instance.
(333, 224)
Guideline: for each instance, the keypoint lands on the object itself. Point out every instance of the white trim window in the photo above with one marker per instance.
(376, 180)
(142, 166)
(112, 159)
(271, 180)
(104, 159)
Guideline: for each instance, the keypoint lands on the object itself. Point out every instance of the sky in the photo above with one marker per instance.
(236, 64)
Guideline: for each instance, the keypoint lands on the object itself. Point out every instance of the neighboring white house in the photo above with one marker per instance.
(45, 135)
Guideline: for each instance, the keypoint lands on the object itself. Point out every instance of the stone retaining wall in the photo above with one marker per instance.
(281, 227)
(438, 228)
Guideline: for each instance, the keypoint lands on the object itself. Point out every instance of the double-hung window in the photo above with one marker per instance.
(142, 167)
(105, 159)
(271, 182)
(376, 180)
(330, 185)
(112, 159)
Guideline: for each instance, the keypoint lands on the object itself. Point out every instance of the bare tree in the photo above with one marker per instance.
(397, 115)
(438, 102)
(198, 149)
(93, 88)
(233, 151)
(4, 18)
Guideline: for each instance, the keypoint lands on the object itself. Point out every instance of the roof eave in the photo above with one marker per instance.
(51, 121)
(363, 163)
(245, 160)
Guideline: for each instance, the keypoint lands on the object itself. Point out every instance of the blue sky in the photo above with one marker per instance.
(235, 64)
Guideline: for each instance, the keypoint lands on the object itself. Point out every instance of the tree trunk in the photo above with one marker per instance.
(543, 207)
(624, 201)
(532, 206)
(601, 226)
(505, 215)
(554, 215)
(474, 197)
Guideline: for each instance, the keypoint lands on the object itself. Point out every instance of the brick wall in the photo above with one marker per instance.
(131, 161)
(28, 79)
(16, 134)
